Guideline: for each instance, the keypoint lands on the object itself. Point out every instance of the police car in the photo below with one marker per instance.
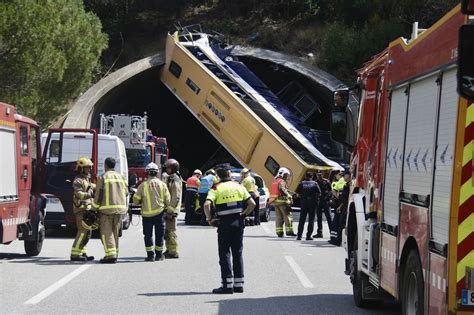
(262, 190)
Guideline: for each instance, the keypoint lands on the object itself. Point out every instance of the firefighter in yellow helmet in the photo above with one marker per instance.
(111, 201)
(248, 182)
(154, 197)
(175, 187)
(82, 200)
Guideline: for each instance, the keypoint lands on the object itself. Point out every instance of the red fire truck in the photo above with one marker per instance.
(410, 220)
(22, 208)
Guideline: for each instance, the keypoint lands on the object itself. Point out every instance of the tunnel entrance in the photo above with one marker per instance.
(189, 141)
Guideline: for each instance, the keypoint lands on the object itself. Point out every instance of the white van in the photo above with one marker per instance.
(60, 164)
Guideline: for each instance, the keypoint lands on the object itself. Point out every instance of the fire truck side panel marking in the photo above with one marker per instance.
(437, 290)
(389, 277)
(398, 109)
(444, 158)
(418, 159)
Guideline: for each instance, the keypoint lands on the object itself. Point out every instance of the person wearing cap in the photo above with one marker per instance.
(309, 192)
(154, 197)
(232, 203)
(207, 182)
(249, 183)
(111, 201)
(192, 187)
(323, 206)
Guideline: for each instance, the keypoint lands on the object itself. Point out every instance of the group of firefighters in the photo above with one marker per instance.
(225, 204)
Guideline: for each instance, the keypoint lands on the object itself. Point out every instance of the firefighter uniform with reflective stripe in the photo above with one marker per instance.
(154, 197)
(111, 201)
(280, 198)
(82, 200)
(175, 188)
(192, 186)
(229, 199)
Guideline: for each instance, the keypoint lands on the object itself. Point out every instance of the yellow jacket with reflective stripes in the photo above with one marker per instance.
(153, 195)
(111, 194)
(175, 187)
(83, 192)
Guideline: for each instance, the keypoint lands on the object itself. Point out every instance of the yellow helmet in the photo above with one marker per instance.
(244, 171)
(83, 161)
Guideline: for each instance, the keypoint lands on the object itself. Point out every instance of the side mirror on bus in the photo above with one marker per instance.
(466, 62)
(339, 126)
(341, 99)
(467, 7)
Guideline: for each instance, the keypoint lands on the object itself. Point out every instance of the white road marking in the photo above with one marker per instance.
(265, 228)
(49, 290)
(299, 272)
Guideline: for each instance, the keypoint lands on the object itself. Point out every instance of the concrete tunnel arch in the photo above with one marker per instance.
(136, 88)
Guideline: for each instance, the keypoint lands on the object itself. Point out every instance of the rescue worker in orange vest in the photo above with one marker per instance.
(249, 183)
(281, 200)
(232, 203)
(192, 186)
(82, 200)
(175, 187)
(154, 197)
(111, 201)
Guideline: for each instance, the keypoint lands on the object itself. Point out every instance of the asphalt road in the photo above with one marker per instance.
(283, 276)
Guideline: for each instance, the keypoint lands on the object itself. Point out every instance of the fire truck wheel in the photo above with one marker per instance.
(412, 286)
(33, 247)
(357, 284)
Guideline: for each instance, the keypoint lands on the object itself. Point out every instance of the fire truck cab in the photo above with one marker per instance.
(409, 233)
(22, 208)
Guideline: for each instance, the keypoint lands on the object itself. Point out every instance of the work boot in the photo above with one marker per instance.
(223, 290)
(280, 234)
(78, 258)
(150, 256)
(309, 238)
(239, 290)
(298, 238)
(318, 235)
(88, 258)
(169, 255)
(108, 261)
(290, 234)
(159, 256)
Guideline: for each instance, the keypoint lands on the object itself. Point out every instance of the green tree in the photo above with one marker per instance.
(49, 50)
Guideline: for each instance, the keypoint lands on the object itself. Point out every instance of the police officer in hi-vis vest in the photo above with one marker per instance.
(154, 198)
(111, 201)
(232, 203)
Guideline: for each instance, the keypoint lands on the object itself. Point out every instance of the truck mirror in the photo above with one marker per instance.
(466, 62)
(339, 126)
(132, 180)
(341, 99)
(467, 7)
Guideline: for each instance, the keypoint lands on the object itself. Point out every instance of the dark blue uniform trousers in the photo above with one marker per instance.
(230, 234)
(156, 223)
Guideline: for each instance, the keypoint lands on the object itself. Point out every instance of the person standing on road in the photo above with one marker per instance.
(192, 187)
(309, 193)
(249, 183)
(206, 184)
(229, 199)
(323, 206)
(281, 199)
(111, 201)
(341, 211)
(175, 187)
(154, 198)
(82, 200)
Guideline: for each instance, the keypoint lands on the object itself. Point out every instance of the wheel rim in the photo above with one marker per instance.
(412, 295)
